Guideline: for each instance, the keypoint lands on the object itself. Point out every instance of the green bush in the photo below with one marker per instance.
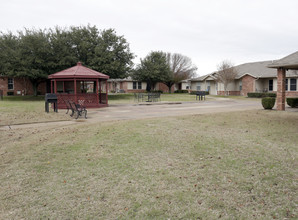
(156, 91)
(181, 91)
(260, 94)
(273, 95)
(268, 102)
(293, 102)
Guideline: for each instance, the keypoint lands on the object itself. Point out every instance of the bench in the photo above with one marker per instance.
(77, 110)
(68, 106)
(201, 94)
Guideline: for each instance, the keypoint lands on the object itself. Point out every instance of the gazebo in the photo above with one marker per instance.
(289, 62)
(81, 85)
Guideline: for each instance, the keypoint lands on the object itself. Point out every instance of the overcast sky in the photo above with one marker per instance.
(207, 31)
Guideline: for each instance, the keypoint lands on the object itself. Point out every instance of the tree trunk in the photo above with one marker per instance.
(148, 87)
(170, 86)
(34, 86)
(225, 89)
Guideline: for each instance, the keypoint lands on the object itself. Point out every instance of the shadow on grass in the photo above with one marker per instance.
(23, 98)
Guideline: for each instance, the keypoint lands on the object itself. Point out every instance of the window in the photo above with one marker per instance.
(286, 85)
(240, 85)
(270, 84)
(137, 85)
(198, 86)
(208, 86)
(293, 84)
(10, 84)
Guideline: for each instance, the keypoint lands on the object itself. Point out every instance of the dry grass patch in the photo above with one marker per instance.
(231, 165)
(20, 112)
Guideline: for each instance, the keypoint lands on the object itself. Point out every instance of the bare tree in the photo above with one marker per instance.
(181, 68)
(226, 73)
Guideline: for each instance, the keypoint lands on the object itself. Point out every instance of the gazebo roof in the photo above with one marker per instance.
(288, 62)
(78, 71)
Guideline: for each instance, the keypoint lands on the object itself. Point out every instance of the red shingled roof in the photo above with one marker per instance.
(78, 71)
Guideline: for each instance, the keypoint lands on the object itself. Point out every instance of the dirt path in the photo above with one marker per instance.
(139, 111)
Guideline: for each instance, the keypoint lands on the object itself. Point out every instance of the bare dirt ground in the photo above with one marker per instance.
(151, 110)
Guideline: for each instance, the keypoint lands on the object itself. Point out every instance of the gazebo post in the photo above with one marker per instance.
(75, 89)
(100, 91)
(281, 90)
(97, 96)
(51, 86)
(55, 86)
(106, 91)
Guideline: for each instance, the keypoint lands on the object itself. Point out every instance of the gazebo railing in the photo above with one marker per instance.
(103, 98)
(86, 99)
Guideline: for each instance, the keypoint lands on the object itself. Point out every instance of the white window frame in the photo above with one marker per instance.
(269, 85)
(139, 85)
(10, 82)
(208, 86)
(136, 85)
(293, 82)
(198, 86)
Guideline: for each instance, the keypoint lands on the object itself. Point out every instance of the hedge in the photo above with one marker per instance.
(260, 94)
(195, 92)
(268, 102)
(181, 91)
(156, 91)
(293, 102)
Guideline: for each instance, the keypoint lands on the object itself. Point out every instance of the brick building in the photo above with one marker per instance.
(252, 77)
(20, 86)
(128, 85)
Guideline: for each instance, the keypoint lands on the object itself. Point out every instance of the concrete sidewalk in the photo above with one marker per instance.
(122, 112)
(151, 110)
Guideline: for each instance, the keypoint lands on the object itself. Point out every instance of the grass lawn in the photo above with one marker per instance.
(240, 165)
(27, 109)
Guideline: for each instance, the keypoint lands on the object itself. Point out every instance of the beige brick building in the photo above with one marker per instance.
(252, 77)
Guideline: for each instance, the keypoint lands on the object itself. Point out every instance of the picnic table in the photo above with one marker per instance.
(201, 95)
(147, 97)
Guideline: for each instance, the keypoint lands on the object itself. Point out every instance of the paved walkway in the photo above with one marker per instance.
(144, 110)
(166, 109)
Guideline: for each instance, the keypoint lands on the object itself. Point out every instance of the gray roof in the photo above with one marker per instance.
(127, 79)
(260, 70)
(202, 78)
(289, 62)
(255, 69)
